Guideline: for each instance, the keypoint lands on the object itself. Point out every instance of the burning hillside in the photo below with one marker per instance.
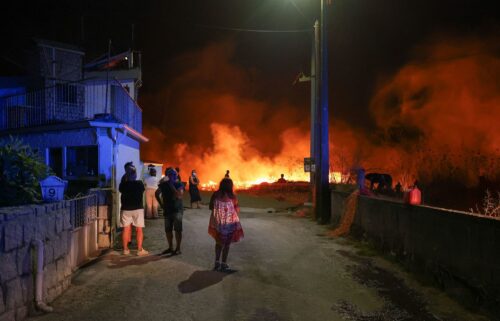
(436, 120)
(233, 151)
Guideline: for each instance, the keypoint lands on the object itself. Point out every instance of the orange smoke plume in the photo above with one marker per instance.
(210, 118)
(442, 111)
(436, 118)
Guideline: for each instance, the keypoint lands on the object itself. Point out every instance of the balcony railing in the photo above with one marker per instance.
(70, 102)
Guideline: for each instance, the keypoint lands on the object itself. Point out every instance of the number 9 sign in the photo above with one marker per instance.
(53, 188)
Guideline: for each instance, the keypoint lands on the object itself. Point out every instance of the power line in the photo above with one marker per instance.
(12, 61)
(300, 10)
(255, 30)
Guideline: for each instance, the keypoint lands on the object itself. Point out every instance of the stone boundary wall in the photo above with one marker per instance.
(459, 251)
(19, 227)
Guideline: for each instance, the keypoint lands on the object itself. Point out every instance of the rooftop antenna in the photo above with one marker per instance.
(133, 37)
(107, 77)
(82, 29)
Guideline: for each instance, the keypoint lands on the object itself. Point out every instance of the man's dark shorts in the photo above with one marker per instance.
(173, 221)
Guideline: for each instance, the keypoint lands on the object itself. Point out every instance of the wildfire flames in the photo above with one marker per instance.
(438, 115)
(233, 151)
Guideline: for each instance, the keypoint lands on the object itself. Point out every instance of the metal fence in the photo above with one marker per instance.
(70, 102)
(83, 210)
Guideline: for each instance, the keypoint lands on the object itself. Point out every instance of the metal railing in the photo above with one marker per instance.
(83, 210)
(70, 102)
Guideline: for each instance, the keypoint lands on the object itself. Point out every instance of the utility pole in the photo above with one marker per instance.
(314, 109)
(322, 182)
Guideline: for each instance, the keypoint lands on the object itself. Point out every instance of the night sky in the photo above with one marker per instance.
(369, 41)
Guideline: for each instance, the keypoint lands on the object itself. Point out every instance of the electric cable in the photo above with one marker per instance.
(300, 10)
(254, 30)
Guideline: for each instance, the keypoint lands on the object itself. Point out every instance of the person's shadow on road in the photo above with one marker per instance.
(200, 280)
(119, 261)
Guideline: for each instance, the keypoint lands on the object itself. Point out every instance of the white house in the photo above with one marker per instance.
(83, 120)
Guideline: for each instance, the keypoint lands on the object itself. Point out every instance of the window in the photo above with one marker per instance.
(55, 161)
(82, 161)
(66, 93)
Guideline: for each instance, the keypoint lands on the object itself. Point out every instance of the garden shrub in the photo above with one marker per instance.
(21, 169)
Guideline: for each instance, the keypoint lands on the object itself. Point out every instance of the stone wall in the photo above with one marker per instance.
(458, 251)
(19, 227)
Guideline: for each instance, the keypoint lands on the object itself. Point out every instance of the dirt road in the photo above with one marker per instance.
(285, 271)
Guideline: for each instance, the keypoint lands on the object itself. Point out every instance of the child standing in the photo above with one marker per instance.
(224, 225)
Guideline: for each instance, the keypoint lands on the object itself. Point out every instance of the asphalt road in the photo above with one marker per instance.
(286, 270)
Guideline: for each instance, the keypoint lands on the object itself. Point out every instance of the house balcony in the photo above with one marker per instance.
(70, 102)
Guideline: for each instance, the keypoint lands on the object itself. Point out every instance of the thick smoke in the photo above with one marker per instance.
(442, 110)
(436, 118)
(208, 118)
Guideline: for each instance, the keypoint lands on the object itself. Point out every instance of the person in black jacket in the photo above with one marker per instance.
(132, 209)
(171, 193)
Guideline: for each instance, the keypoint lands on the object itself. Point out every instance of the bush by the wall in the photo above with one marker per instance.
(21, 169)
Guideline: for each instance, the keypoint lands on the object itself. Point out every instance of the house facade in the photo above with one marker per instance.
(82, 119)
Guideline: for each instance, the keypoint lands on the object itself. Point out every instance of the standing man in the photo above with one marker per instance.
(132, 210)
(172, 190)
(282, 179)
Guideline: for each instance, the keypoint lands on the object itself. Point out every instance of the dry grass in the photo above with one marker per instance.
(351, 204)
(490, 206)
(294, 193)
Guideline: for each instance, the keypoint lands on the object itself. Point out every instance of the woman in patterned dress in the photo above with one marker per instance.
(224, 225)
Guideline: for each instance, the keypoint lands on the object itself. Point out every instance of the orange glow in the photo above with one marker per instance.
(233, 151)
(445, 108)
(435, 119)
